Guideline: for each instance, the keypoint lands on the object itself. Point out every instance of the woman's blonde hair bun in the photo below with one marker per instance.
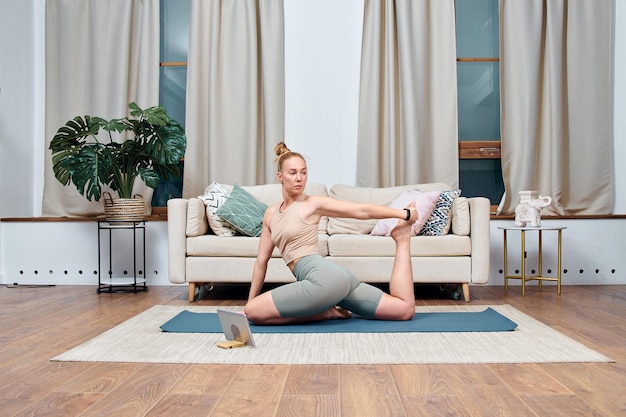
(281, 148)
(283, 153)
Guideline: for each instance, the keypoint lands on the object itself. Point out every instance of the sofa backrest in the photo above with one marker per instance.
(382, 196)
(272, 193)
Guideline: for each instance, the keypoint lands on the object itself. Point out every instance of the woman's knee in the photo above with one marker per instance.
(251, 313)
(261, 309)
(394, 309)
(406, 312)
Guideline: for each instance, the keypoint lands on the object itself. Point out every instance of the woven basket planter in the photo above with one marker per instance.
(123, 209)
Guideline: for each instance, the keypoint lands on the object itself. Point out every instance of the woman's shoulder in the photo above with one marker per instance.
(274, 206)
(314, 200)
(271, 209)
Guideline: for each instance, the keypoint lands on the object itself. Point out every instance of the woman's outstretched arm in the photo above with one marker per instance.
(327, 206)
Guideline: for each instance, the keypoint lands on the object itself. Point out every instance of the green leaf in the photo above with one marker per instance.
(87, 169)
(60, 172)
(150, 177)
(117, 125)
(169, 144)
(72, 134)
(155, 115)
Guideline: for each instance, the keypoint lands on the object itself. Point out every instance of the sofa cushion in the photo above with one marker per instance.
(461, 216)
(383, 246)
(197, 224)
(243, 211)
(424, 203)
(438, 223)
(236, 246)
(383, 196)
(212, 245)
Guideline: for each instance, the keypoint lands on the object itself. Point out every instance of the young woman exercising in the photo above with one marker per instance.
(292, 226)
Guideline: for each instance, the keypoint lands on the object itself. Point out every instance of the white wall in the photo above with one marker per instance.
(67, 253)
(593, 253)
(322, 66)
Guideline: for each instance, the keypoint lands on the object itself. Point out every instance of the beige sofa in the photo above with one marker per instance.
(197, 257)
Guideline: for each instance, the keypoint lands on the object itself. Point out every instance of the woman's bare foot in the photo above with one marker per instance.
(402, 231)
(338, 313)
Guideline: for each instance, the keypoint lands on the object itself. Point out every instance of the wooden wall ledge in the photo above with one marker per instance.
(158, 217)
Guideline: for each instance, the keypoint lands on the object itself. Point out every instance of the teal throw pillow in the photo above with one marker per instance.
(243, 212)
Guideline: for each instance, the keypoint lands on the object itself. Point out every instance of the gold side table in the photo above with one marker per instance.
(539, 277)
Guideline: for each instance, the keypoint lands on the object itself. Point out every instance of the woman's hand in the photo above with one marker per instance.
(414, 214)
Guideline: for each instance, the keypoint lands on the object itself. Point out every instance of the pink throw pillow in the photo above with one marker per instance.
(424, 202)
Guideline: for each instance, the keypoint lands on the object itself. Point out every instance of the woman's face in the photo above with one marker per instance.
(293, 174)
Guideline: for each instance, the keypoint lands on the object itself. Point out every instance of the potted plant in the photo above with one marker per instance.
(150, 145)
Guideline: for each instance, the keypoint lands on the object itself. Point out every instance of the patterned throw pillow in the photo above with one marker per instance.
(438, 223)
(216, 196)
(243, 212)
(424, 203)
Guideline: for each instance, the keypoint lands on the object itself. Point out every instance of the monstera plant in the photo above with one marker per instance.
(92, 152)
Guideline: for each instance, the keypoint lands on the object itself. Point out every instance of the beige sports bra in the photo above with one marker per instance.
(293, 236)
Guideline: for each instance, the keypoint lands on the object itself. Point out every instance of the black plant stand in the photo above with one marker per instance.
(135, 283)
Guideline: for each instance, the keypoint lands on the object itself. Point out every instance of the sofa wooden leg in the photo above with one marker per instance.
(192, 292)
(466, 293)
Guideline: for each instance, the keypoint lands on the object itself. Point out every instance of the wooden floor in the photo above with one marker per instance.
(41, 322)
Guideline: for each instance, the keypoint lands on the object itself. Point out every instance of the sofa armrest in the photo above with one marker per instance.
(479, 232)
(177, 239)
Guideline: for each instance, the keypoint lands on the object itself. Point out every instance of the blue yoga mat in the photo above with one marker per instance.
(488, 320)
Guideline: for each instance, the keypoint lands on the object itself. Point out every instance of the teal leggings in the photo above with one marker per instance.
(321, 285)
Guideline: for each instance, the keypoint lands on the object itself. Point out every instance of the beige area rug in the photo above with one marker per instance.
(140, 339)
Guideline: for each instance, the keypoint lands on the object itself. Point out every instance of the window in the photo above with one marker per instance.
(173, 80)
(478, 78)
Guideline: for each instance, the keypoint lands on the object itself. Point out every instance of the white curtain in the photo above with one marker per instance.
(408, 94)
(100, 56)
(556, 72)
(235, 92)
